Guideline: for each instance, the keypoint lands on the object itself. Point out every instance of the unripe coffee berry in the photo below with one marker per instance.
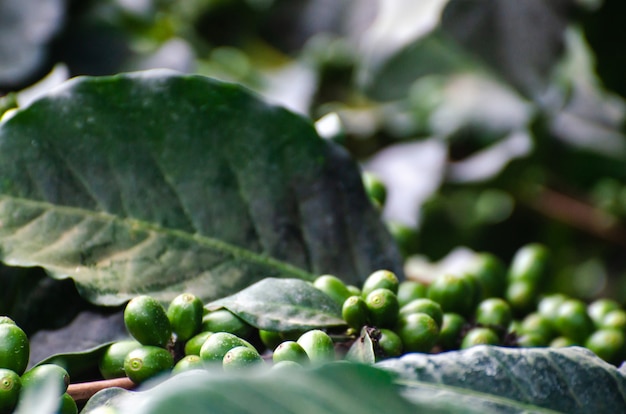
(146, 362)
(185, 313)
(383, 307)
(146, 320)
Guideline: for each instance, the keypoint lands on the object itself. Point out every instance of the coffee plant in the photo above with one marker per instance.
(353, 206)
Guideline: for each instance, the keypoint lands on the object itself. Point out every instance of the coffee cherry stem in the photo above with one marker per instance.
(84, 390)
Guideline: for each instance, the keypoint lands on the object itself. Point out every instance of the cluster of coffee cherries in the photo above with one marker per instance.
(187, 336)
(486, 303)
(16, 380)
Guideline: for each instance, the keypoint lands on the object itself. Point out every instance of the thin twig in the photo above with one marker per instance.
(85, 390)
(580, 215)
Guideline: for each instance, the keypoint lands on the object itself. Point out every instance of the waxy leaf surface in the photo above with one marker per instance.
(159, 183)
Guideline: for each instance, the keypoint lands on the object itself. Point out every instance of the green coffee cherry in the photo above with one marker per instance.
(427, 306)
(188, 363)
(515, 327)
(6, 319)
(390, 343)
(146, 362)
(14, 348)
(383, 307)
(531, 340)
(419, 332)
(218, 344)
(548, 305)
(111, 364)
(185, 313)
(608, 344)
(290, 351)
(530, 263)
(450, 333)
(354, 291)
(380, 279)
(67, 405)
(318, 346)
(223, 320)
(410, 290)
(480, 336)
(572, 320)
(406, 237)
(536, 324)
(615, 319)
(562, 342)
(271, 339)
(241, 357)
(374, 188)
(355, 312)
(598, 309)
(40, 374)
(146, 320)
(193, 345)
(521, 296)
(490, 273)
(494, 312)
(10, 386)
(454, 293)
(333, 287)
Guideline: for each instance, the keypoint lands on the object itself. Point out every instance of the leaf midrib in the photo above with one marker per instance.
(131, 223)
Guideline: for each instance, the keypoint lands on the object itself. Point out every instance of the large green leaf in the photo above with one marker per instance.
(282, 305)
(159, 183)
(568, 380)
(339, 388)
(333, 388)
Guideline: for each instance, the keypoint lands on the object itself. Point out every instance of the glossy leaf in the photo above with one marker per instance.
(332, 388)
(77, 347)
(282, 305)
(159, 183)
(569, 380)
(81, 365)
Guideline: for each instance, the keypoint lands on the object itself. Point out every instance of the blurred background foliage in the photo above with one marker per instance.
(493, 123)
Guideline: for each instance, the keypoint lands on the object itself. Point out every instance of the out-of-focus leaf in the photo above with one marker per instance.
(25, 28)
(41, 398)
(389, 77)
(470, 102)
(569, 380)
(456, 262)
(175, 54)
(109, 397)
(589, 117)
(489, 162)
(521, 40)
(282, 305)
(159, 183)
(340, 388)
